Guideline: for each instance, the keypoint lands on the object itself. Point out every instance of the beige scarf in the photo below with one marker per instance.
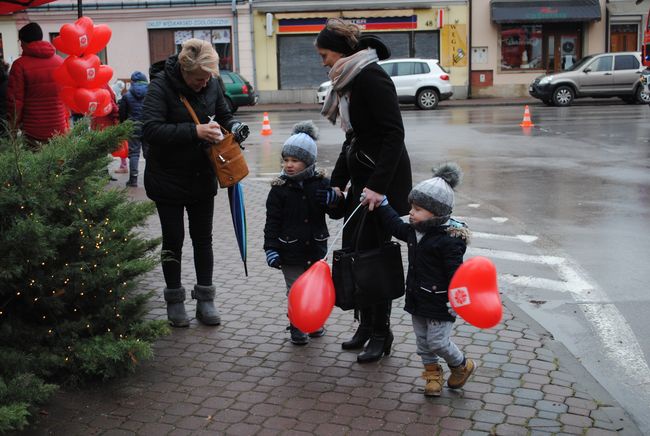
(337, 102)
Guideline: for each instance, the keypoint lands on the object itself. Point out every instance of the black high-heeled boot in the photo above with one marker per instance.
(381, 338)
(378, 346)
(363, 332)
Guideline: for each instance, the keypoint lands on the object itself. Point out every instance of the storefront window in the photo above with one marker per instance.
(521, 47)
(220, 39)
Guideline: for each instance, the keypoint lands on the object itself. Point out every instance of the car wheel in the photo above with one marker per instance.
(427, 99)
(231, 106)
(563, 96)
(641, 96)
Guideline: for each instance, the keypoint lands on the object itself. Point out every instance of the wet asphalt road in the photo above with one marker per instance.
(573, 192)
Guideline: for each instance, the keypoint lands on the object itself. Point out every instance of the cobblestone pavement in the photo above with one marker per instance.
(245, 377)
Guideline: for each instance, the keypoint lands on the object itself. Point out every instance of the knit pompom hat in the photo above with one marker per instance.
(302, 143)
(437, 194)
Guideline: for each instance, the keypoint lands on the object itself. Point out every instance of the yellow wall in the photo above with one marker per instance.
(454, 28)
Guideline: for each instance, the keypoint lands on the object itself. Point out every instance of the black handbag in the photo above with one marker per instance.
(365, 277)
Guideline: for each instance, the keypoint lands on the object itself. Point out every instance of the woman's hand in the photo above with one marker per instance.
(210, 132)
(371, 198)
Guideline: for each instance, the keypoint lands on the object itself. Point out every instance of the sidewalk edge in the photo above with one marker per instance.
(582, 374)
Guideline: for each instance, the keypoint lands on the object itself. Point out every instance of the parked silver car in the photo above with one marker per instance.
(600, 75)
(422, 82)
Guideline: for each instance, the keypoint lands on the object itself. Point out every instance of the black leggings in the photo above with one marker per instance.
(199, 216)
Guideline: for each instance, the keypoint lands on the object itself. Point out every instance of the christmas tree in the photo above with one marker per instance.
(71, 252)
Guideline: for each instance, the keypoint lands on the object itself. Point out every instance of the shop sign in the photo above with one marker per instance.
(292, 25)
(189, 22)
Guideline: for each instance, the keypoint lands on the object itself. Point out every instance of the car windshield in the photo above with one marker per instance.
(580, 63)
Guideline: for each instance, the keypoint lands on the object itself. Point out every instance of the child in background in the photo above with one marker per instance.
(436, 245)
(295, 233)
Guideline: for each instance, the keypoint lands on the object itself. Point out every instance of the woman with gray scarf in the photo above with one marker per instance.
(373, 159)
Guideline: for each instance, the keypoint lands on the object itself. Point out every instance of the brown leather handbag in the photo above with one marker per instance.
(225, 156)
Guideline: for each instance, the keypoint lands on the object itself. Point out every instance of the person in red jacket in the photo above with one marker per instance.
(33, 103)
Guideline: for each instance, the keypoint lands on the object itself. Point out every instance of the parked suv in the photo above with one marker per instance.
(600, 75)
(420, 81)
(238, 90)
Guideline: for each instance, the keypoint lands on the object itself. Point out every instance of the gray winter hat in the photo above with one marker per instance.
(302, 143)
(437, 194)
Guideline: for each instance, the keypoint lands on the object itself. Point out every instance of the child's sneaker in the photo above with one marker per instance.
(297, 336)
(460, 374)
(122, 170)
(318, 333)
(434, 378)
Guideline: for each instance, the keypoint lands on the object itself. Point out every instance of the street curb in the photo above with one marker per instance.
(582, 375)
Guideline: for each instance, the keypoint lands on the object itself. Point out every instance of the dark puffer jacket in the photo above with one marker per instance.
(131, 102)
(295, 221)
(178, 170)
(432, 263)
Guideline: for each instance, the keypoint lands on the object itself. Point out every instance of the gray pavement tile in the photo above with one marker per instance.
(244, 377)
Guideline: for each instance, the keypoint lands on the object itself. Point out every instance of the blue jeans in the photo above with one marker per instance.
(135, 145)
(172, 223)
(433, 340)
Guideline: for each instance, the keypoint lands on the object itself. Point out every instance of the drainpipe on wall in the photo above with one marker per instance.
(607, 29)
(469, 57)
(235, 37)
(251, 25)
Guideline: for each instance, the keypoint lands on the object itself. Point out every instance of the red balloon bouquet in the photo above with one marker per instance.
(82, 76)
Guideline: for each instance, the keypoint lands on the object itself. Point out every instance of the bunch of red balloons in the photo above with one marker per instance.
(82, 76)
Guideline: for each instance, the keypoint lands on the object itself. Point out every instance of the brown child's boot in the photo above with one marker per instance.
(434, 379)
(460, 374)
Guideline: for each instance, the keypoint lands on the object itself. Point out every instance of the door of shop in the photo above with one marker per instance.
(624, 37)
(561, 47)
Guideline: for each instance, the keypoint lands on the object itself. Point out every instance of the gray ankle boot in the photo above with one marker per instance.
(176, 314)
(205, 310)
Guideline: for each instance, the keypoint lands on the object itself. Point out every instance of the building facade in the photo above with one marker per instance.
(288, 68)
(271, 42)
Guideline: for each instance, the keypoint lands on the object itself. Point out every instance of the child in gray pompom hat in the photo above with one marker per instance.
(436, 246)
(295, 232)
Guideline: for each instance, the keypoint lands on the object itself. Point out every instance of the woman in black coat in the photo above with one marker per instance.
(178, 175)
(373, 159)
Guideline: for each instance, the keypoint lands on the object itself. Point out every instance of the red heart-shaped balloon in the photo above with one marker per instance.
(102, 77)
(83, 69)
(74, 38)
(67, 94)
(96, 102)
(61, 76)
(474, 294)
(101, 35)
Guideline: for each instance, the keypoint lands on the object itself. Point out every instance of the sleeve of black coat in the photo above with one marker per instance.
(273, 225)
(378, 92)
(157, 130)
(452, 254)
(223, 116)
(341, 174)
(393, 223)
(334, 212)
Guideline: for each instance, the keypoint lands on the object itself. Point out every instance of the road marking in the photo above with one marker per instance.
(611, 327)
(499, 219)
(495, 236)
(535, 282)
(474, 205)
(519, 257)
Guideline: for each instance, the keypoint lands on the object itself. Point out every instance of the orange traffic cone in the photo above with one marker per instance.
(526, 122)
(266, 125)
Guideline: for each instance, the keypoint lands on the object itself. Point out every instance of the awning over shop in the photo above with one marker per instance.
(536, 11)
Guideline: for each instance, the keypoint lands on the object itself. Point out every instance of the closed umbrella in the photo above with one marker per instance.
(238, 214)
